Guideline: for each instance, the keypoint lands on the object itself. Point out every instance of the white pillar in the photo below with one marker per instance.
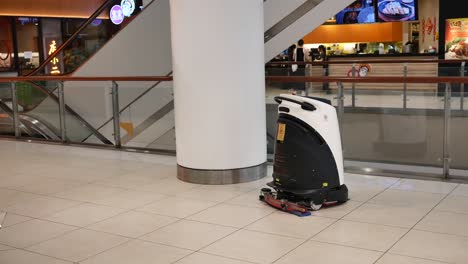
(219, 90)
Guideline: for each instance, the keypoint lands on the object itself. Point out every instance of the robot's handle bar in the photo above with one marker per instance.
(304, 105)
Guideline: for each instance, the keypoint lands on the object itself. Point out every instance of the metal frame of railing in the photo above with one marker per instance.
(62, 108)
(448, 81)
(446, 159)
(376, 60)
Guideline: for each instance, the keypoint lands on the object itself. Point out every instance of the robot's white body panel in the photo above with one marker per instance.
(324, 120)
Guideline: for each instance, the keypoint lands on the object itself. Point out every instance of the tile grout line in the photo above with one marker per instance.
(225, 202)
(308, 240)
(140, 237)
(421, 258)
(356, 208)
(232, 233)
(37, 253)
(412, 228)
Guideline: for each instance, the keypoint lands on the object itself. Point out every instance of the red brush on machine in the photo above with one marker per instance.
(269, 197)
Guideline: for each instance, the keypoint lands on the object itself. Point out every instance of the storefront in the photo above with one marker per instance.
(383, 30)
(25, 42)
(380, 27)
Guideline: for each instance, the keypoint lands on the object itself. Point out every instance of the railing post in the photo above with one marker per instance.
(462, 86)
(14, 102)
(447, 118)
(116, 114)
(340, 108)
(63, 128)
(353, 87)
(405, 86)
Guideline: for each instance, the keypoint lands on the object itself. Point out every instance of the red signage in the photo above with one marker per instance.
(456, 38)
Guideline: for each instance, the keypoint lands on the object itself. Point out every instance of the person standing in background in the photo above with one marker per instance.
(299, 56)
(290, 70)
(323, 58)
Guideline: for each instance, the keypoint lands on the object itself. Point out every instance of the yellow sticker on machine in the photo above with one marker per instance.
(281, 132)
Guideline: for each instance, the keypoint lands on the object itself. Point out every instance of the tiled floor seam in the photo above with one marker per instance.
(341, 245)
(238, 230)
(77, 228)
(336, 220)
(41, 219)
(38, 194)
(420, 258)
(373, 223)
(119, 244)
(140, 237)
(211, 254)
(132, 209)
(44, 218)
(364, 202)
(51, 238)
(439, 233)
(412, 228)
(32, 218)
(453, 212)
(9, 247)
(125, 242)
(216, 204)
(275, 234)
(41, 254)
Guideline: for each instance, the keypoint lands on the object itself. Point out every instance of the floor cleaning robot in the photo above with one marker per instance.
(308, 162)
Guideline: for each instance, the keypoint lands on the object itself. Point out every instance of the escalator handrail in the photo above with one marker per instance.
(99, 11)
(290, 19)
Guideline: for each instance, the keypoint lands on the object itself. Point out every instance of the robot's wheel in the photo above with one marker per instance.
(315, 207)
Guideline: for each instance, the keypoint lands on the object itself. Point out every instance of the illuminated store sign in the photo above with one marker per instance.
(128, 7)
(55, 61)
(116, 15)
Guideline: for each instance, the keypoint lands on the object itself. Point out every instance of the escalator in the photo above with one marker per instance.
(148, 106)
(38, 118)
(29, 125)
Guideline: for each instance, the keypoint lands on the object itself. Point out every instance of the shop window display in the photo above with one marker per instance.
(27, 34)
(6, 45)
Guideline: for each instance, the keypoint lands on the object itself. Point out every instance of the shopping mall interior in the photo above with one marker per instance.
(233, 132)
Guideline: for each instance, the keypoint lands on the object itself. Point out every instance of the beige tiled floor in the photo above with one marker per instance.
(72, 205)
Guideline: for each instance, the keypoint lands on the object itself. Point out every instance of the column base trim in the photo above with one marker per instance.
(221, 177)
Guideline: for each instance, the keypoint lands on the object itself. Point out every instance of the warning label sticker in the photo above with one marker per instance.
(281, 132)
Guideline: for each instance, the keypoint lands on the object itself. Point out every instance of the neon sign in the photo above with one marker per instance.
(55, 61)
(128, 7)
(116, 15)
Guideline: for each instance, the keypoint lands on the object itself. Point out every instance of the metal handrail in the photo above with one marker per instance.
(381, 79)
(290, 19)
(64, 78)
(319, 63)
(374, 79)
(101, 9)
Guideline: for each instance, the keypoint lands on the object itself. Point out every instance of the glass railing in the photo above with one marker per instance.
(127, 115)
(146, 115)
(6, 117)
(395, 127)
